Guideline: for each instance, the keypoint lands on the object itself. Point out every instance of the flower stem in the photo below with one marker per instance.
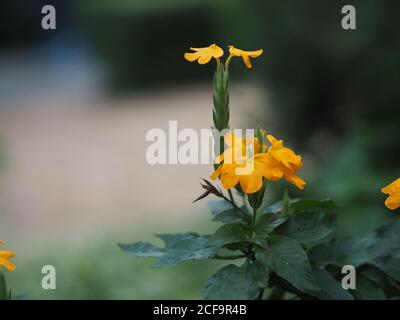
(261, 294)
(218, 62)
(231, 196)
(244, 213)
(227, 62)
(253, 222)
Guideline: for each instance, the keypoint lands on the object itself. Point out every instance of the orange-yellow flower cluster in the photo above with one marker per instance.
(250, 168)
(204, 55)
(393, 190)
(4, 256)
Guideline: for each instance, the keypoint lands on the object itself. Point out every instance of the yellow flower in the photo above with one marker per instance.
(277, 162)
(283, 162)
(4, 255)
(393, 190)
(236, 159)
(246, 55)
(204, 55)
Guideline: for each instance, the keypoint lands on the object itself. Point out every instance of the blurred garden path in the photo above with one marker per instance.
(76, 167)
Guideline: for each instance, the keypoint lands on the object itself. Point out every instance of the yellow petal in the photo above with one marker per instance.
(192, 56)
(267, 166)
(392, 187)
(216, 173)
(10, 266)
(271, 139)
(217, 52)
(234, 51)
(229, 179)
(246, 55)
(251, 183)
(255, 54)
(246, 61)
(236, 152)
(229, 138)
(393, 201)
(204, 55)
(204, 59)
(297, 181)
(6, 254)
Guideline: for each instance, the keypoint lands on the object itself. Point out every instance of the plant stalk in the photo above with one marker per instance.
(253, 222)
(244, 213)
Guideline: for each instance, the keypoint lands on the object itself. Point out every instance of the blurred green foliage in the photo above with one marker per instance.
(102, 271)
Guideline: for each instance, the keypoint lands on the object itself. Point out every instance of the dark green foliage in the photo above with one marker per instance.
(294, 246)
(237, 283)
(5, 294)
(178, 248)
(291, 249)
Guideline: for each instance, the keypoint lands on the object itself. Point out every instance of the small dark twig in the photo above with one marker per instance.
(231, 196)
(211, 189)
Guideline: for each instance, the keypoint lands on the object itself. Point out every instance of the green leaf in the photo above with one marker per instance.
(171, 238)
(230, 234)
(367, 289)
(392, 268)
(288, 259)
(390, 235)
(228, 216)
(308, 228)
(301, 205)
(217, 206)
(331, 289)
(237, 283)
(223, 212)
(274, 208)
(5, 294)
(390, 287)
(265, 224)
(348, 251)
(391, 231)
(178, 248)
(268, 222)
(191, 247)
(142, 249)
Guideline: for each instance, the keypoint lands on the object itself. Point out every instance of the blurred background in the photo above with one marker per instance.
(76, 103)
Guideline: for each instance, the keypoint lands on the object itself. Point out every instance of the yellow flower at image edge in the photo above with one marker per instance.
(4, 256)
(246, 55)
(393, 190)
(204, 55)
(277, 162)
